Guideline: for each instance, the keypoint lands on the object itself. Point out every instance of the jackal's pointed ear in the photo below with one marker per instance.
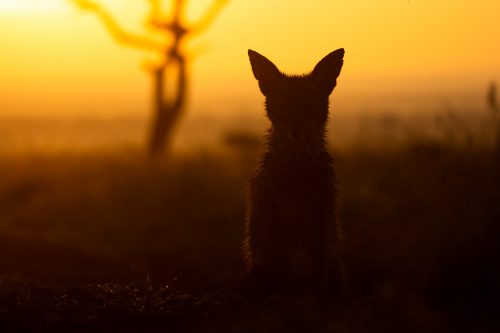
(264, 71)
(327, 70)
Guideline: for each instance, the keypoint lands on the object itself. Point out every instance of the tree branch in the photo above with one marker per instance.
(117, 32)
(154, 10)
(207, 19)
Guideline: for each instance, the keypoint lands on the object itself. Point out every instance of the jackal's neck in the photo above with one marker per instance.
(280, 145)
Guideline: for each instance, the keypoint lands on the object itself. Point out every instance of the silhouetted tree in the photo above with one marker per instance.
(493, 105)
(173, 59)
(492, 97)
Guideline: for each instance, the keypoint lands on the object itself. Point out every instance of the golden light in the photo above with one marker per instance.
(30, 5)
(406, 49)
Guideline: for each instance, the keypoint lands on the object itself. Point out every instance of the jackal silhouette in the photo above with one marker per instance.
(292, 236)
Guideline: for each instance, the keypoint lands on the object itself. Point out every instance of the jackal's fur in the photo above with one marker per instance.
(292, 234)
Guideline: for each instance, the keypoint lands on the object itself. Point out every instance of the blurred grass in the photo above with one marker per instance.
(421, 225)
(169, 216)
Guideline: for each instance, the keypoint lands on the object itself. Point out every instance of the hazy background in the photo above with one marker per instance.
(94, 234)
(402, 57)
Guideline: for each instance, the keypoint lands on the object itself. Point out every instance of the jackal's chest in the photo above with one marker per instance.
(297, 198)
(292, 213)
(301, 202)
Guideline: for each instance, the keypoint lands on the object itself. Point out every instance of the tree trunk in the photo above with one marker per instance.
(166, 114)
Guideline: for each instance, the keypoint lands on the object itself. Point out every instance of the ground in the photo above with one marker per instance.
(95, 242)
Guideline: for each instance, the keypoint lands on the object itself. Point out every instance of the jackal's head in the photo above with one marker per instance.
(297, 105)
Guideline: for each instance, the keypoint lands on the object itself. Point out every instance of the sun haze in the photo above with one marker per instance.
(58, 60)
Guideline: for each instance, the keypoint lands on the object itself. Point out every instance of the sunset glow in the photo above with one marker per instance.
(30, 5)
(249, 166)
(52, 51)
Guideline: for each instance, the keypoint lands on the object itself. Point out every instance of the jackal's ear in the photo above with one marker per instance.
(264, 71)
(327, 70)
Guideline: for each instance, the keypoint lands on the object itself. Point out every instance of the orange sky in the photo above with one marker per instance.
(57, 60)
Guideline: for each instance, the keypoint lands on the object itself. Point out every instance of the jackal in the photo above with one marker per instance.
(292, 234)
